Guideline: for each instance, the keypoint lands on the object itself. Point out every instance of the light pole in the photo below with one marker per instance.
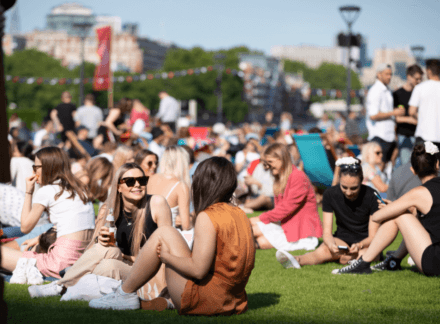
(349, 14)
(220, 67)
(84, 30)
(418, 53)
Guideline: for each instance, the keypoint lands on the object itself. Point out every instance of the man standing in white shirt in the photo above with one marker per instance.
(424, 104)
(89, 116)
(168, 110)
(380, 112)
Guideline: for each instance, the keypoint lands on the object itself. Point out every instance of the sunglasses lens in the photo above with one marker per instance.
(130, 182)
(142, 181)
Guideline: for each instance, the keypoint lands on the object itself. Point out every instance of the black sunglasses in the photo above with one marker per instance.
(35, 167)
(131, 181)
(353, 167)
(150, 163)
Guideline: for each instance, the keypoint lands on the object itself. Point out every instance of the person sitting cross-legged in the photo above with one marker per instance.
(211, 279)
(353, 205)
(416, 215)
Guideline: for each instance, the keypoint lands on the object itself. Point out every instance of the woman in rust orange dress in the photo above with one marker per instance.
(211, 279)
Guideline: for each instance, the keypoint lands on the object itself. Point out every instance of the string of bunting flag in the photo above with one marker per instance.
(333, 93)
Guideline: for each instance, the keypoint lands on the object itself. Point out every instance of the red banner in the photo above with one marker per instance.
(102, 71)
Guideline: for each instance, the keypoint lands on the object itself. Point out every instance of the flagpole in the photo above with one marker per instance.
(110, 87)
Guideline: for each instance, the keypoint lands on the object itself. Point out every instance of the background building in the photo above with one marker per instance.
(398, 58)
(61, 39)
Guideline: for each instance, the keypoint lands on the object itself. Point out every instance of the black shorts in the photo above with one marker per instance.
(431, 260)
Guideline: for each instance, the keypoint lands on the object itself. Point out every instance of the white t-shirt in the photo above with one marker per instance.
(380, 99)
(69, 215)
(38, 137)
(11, 205)
(21, 168)
(426, 97)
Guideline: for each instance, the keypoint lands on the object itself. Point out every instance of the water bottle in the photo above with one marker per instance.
(110, 224)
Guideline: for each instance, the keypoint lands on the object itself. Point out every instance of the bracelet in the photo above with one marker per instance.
(31, 193)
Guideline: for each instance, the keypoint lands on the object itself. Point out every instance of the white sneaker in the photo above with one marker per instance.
(117, 300)
(19, 274)
(287, 260)
(51, 289)
(411, 261)
(34, 276)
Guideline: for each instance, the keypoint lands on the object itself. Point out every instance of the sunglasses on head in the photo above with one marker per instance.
(353, 167)
(35, 167)
(131, 181)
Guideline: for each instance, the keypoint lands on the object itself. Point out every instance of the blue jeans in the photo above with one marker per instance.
(405, 146)
(12, 231)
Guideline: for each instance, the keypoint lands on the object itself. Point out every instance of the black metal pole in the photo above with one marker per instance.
(81, 73)
(349, 69)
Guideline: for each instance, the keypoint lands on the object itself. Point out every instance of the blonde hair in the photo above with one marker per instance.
(281, 152)
(121, 155)
(175, 161)
(367, 152)
(114, 201)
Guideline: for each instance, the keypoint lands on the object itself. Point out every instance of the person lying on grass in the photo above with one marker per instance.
(294, 223)
(353, 205)
(211, 279)
(416, 215)
(67, 202)
(136, 214)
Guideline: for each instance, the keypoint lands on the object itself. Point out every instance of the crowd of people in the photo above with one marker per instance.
(159, 205)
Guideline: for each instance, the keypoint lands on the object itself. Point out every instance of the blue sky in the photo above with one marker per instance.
(262, 24)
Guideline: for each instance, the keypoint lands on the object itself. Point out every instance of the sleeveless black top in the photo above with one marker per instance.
(431, 221)
(124, 226)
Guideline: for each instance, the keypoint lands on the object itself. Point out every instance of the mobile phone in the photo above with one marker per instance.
(380, 198)
(343, 248)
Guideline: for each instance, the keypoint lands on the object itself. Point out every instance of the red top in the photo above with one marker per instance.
(296, 209)
(135, 115)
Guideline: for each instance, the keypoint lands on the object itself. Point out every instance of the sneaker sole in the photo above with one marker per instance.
(157, 304)
(122, 307)
(286, 261)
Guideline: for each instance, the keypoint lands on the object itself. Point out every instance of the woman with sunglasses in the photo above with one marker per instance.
(294, 223)
(137, 215)
(372, 167)
(210, 280)
(148, 161)
(173, 183)
(67, 202)
(416, 215)
(353, 205)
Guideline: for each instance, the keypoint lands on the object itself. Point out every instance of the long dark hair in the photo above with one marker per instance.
(424, 164)
(56, 166)
(214, 180)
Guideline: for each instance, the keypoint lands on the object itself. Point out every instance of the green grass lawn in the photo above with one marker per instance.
(309, 295)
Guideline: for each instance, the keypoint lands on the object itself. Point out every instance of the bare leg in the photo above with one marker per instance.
(148, 263)
(322, 254)
(401, 252)
(263, 243)
(13, 245)
(261, 202)
(416, 238)
(10, 258)
(385, 235)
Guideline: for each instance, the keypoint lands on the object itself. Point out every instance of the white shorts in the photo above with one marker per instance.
(274, 233)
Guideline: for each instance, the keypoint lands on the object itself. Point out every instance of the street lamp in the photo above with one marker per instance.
(219, 58)
(84, 28)
(349, 14)
(418, 53)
